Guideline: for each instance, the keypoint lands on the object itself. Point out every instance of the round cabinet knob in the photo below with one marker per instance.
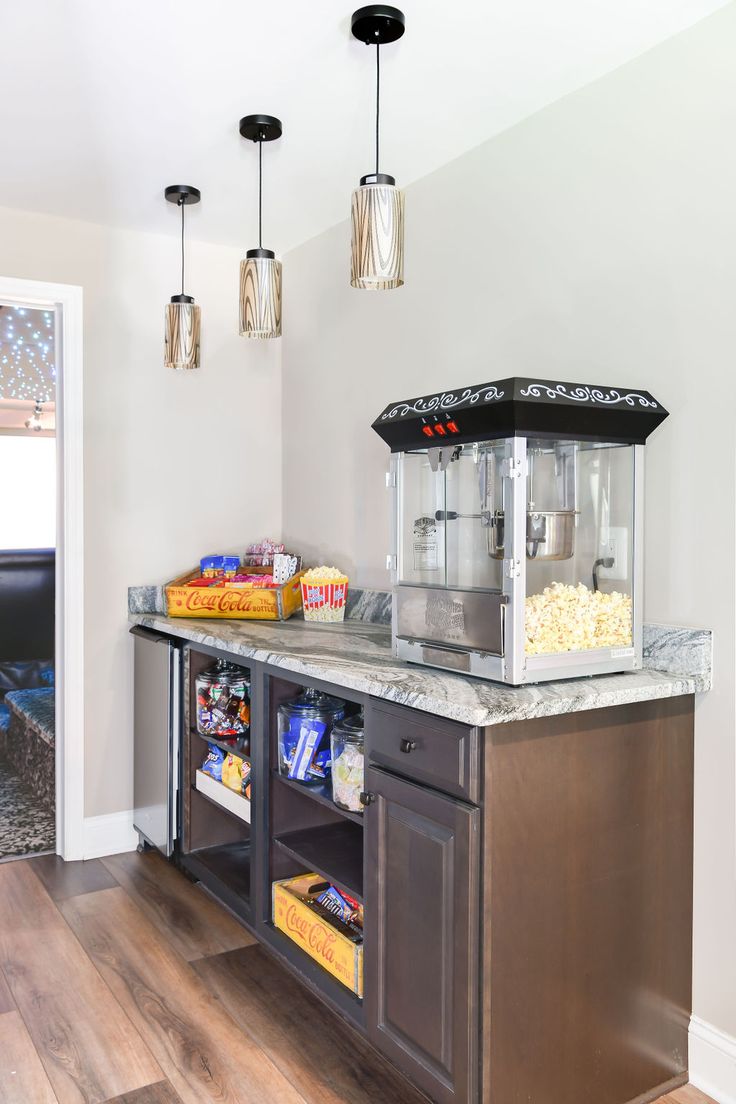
(367, 798)
(407, 745)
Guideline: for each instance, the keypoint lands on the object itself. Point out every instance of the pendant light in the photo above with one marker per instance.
(181, 342)
(260, 272)
(377, 255)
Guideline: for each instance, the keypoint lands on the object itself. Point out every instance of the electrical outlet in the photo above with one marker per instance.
(615, 547)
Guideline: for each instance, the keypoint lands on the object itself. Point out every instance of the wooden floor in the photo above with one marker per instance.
(120, 981)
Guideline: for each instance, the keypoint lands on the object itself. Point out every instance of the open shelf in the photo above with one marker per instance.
(322, 794)
(335, 851)
(332, 990)
(225, 871)
(222, 796)
(221, 745)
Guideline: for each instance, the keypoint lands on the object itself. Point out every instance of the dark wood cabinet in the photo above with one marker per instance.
(527, 888)
(422, 976)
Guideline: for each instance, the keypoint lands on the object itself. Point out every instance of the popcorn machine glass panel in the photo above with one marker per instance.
(579, 560)
(444, 518)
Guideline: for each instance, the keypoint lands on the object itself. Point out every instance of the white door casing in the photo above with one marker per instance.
(66, 301)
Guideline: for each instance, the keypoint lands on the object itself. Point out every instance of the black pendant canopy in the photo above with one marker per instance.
(519, 407)
(260, 128)
(378, 24)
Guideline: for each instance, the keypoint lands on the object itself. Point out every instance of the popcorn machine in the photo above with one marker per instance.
(517, 528)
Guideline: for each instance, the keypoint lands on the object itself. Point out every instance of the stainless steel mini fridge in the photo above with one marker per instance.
(157, 712)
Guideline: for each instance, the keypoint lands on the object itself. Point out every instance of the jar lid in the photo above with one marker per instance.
(351, 727)
(224, 671)
(314, 701)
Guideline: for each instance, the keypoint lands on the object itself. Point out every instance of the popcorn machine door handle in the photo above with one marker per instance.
(367, 798)
(407, 745)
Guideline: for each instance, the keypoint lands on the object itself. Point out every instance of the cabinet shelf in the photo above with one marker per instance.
(222, 796)
(322, 794)
(225, 871)
(221, 745)
(335, 851)
(333, 991)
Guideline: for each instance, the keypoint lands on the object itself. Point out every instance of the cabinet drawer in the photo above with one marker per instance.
(425, 749)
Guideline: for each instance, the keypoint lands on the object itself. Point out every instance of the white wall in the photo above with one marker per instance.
(177, 464)
(595, 242)
(28, 480)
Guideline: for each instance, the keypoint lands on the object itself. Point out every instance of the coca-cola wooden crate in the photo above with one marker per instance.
(255, 603)
(333, 950)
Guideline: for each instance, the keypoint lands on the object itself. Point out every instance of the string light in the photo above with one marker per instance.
(27, 364)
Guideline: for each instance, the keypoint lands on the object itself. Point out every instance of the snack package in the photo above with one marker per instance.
(339, 904)
(232, 768)
(245, 772)
(212, 764)
(210, 566)
(230, 565)
(283, 567)
(303, 760)
(261, 554)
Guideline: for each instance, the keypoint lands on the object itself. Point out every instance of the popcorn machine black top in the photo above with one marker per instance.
(517, 527)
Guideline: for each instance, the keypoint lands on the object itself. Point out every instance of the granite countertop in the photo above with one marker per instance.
(357, 656)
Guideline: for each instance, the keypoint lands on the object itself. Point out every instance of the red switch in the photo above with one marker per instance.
(427, 431)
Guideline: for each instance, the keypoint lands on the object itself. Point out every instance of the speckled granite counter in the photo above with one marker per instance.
(357, 656)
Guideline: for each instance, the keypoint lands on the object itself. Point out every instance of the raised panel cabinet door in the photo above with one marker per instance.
(421, 935)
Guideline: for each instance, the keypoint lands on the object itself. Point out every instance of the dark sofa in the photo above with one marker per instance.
(27, 616)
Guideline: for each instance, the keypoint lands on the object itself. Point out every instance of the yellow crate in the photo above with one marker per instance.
(315, 936)
(267, 604)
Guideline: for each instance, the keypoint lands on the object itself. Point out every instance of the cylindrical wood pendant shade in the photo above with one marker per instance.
(181, 342)
(260, 294)
(377, 237)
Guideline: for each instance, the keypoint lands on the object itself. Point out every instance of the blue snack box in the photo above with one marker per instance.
(211, 563)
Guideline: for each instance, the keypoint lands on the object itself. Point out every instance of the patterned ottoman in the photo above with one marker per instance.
(29, 742)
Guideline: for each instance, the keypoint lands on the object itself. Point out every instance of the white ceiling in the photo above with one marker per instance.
(103, 104)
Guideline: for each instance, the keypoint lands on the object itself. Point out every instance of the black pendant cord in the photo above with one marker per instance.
(260, 193)
(378, 97)
(181, 204)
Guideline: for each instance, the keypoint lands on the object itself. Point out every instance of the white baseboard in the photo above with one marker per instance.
(109, 835)
(712, 1061)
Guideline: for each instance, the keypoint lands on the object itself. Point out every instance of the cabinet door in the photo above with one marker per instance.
(421, 935)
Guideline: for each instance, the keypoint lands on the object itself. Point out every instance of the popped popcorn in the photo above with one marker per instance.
(323, 574)
(566, 618)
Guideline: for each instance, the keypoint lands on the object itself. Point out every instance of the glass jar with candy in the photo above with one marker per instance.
(223, 704)
(304, 727)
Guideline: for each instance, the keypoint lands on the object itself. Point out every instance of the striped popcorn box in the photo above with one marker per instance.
(325, 601)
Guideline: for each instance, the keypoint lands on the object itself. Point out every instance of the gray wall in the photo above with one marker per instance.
(168, 466)
(595, 242)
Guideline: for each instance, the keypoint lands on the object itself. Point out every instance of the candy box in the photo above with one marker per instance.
(187, 597)
(334, 951)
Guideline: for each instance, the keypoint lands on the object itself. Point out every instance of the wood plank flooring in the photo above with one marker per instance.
(122, 983)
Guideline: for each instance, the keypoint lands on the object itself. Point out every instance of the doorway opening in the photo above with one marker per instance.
(41, 570)
(27, 580)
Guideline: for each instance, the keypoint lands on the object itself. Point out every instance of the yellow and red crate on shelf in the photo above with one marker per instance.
(334, 951)
(273, 603)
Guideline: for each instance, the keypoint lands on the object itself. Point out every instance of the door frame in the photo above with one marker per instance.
(66, 301)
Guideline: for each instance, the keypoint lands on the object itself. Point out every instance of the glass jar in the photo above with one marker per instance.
(223, 703)
(304, 726)
(348, 763)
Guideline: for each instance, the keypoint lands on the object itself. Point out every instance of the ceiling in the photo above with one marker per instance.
(102, 105)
